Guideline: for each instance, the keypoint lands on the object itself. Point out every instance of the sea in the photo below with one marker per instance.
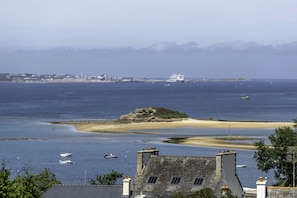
(29, 140)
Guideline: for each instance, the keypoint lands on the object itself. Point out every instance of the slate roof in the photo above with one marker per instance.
(163, 176)
(85, 191)
(176, 174)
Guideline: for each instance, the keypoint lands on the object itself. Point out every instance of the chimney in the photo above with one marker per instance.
(143, 156)
(126, 186)
(227, 158)
(218, 166)
(261, 187)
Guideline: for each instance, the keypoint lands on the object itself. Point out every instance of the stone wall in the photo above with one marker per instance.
(288, 192)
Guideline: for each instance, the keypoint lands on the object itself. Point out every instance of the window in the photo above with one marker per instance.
(175, 180)
(152, 180)
(198, 181)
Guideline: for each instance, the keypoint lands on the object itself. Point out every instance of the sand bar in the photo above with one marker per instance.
(114, 126)
(118, 127)
(230, 142)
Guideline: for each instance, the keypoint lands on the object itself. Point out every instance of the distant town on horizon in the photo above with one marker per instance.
(68, 78)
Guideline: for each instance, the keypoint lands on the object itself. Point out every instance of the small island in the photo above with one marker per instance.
(153, 114)
(161, 118)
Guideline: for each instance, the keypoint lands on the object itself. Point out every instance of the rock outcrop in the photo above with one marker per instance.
(152, 114)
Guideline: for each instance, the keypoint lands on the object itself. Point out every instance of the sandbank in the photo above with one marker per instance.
(235, 143)
(231, 142)
(115, 126)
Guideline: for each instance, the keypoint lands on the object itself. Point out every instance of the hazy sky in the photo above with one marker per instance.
(88, 24)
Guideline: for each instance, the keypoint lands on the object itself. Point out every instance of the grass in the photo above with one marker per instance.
(163, 113)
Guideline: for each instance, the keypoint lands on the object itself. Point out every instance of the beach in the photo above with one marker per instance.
(115, 126)
(132, 127)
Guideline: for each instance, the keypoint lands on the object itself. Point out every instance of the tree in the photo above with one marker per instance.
(107, 179)
(5, 183)
(227, 193)
(26, 185)
(203, 193)
(45, 180)
(275, 156)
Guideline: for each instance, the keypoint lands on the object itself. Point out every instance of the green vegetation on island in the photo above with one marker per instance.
(153, 114)
(167, 113)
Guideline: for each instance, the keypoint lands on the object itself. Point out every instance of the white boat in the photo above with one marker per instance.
(245, 98)
(66, 162)
(241, 166)
(65, 155)
(110, 156)
(176, 78)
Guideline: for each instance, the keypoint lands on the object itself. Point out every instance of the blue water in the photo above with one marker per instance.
(27, 109)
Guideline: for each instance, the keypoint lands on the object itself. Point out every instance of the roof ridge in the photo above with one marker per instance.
(86, 185)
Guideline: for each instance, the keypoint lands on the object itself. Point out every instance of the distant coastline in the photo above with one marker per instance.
(102, 78)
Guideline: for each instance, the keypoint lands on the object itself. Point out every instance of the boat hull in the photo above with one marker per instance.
(65, 155)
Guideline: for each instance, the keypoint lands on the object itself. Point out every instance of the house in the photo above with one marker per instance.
(163, 176)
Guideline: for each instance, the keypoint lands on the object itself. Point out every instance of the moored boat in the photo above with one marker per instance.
(241, 166)
(66, 162)
(244, 97)
(65, 154)
(110, 156)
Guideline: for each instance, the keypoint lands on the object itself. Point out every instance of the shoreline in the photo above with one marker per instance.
(113, 126)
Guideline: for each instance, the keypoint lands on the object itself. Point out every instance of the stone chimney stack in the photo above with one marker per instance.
(127, 186)
(143, 156)
(229, 159)
(218, 166)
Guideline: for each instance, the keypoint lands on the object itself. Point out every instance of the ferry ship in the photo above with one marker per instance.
(176, 78)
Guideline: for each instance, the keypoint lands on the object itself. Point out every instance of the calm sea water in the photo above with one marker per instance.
(27, 109)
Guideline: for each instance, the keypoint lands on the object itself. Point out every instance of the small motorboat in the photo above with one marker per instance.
(241, 166)
(66, 162)
(65, 155)
(244, 97)
(110, 156)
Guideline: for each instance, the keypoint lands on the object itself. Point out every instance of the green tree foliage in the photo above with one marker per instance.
(275, 156)
(179, 195)
(203, 193)
(160, 112)
(227, 193)
(167, 113)
(107, 179)
(5, 183)
(45, 180)
(26, 185)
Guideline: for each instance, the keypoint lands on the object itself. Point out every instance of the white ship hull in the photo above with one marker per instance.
(176, 78)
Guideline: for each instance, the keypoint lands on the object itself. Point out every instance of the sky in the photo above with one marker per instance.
(163, 37)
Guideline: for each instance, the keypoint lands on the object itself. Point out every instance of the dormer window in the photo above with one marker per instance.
(175, 180)
(198, 181)
(152, 180)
